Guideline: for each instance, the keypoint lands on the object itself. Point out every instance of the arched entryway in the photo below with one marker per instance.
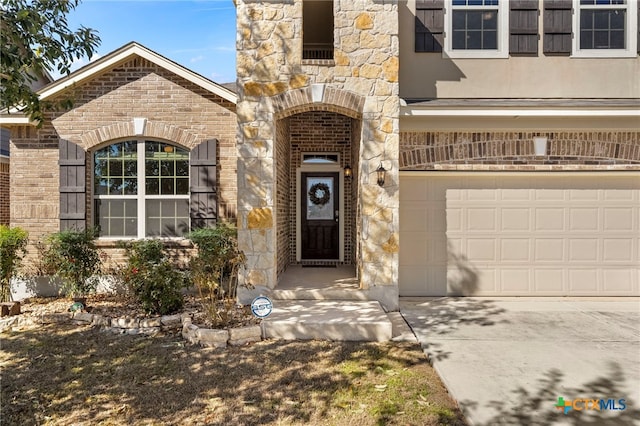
(315, 202)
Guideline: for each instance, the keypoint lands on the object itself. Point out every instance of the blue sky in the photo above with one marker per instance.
(199, 35)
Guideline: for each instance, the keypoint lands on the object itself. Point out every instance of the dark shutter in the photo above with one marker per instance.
(73, 212)
(429, 25)
(204, 199)
(557, 22)
(523, 27)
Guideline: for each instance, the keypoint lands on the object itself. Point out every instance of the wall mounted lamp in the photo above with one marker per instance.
(381, 171)
(348, 173)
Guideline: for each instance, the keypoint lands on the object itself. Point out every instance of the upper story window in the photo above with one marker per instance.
(477, 28)
(604, 28)
(141, 189)
(317, 29)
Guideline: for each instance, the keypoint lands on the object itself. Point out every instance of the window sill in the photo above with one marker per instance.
(475, 54)
(107, 243)
(604, 53)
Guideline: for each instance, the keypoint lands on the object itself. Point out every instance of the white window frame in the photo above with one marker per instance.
(631, 37)
(502, 37)
(141, 197)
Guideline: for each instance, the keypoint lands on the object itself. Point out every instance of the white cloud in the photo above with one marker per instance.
(197, 59)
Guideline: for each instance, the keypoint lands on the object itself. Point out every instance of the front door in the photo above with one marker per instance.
(320, 211)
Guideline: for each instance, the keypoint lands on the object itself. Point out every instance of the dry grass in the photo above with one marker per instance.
(62, 375)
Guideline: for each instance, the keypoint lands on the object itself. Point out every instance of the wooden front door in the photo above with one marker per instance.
(320, 214)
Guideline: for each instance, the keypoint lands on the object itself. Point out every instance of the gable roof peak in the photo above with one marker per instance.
(122, 55)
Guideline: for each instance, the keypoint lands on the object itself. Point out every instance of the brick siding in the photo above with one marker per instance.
(4, 193)
(514, 151)
(104, 107)
(321, 131)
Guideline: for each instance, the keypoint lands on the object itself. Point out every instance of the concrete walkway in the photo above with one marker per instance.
(507, 360)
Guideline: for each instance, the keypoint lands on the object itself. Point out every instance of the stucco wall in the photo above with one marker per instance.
(431, 75)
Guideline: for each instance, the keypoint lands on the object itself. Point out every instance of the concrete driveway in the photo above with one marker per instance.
(508, 360)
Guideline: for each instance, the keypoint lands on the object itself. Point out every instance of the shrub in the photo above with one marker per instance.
(152, 279)
(214, 270)
(13, 247)
(74, 258)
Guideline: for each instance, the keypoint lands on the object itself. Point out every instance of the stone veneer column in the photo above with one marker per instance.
(269, 63)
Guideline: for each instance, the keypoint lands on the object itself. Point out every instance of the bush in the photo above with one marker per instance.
(13, 247)
(74, 258)
(214, 270)
(154, 282)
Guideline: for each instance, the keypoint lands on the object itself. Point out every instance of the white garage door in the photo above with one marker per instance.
(519, 234)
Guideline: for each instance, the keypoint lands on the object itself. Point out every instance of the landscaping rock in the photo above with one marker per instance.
(83, 317)
(213, 338)
(142, 331)
(101, 321)
(150, 322)
(171, 320)
(190, 333)
(244, 335)
(125, 322)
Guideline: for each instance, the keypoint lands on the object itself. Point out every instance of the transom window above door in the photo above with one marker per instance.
(141, 189)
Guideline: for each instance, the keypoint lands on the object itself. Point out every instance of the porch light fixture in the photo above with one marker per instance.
(381, 171)
(348, 172)
(540, 146)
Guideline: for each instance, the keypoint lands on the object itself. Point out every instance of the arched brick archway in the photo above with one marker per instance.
(152, 129)
(318, 98)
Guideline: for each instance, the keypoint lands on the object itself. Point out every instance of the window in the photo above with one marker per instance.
(317, 30)
(477, 28)
(604, 28)
(141, 189)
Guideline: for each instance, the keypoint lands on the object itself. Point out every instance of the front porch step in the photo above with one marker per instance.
(318, 294)
(339, 320)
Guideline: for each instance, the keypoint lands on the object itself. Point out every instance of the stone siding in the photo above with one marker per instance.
(4, 192)
(176, 110)
(361, 82)
(514, 151)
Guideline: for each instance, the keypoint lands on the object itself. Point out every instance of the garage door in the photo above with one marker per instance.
(557, 234)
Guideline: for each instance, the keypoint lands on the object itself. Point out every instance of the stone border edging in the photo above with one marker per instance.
(217, 338)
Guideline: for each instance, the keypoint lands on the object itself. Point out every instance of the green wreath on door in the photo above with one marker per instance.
(319, 194)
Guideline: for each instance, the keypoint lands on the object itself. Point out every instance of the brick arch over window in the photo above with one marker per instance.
(302, 100)
(152, 129)
(431, 150)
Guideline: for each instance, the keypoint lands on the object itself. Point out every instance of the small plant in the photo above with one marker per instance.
(154, 281)
(214, 270)
(13, 247)
(75, 259)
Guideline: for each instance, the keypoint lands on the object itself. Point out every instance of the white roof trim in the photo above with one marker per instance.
(120, 56)
(16, 119)
(407, 111)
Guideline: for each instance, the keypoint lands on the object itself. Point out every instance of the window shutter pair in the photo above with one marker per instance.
(73, 188)
(523, 22)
